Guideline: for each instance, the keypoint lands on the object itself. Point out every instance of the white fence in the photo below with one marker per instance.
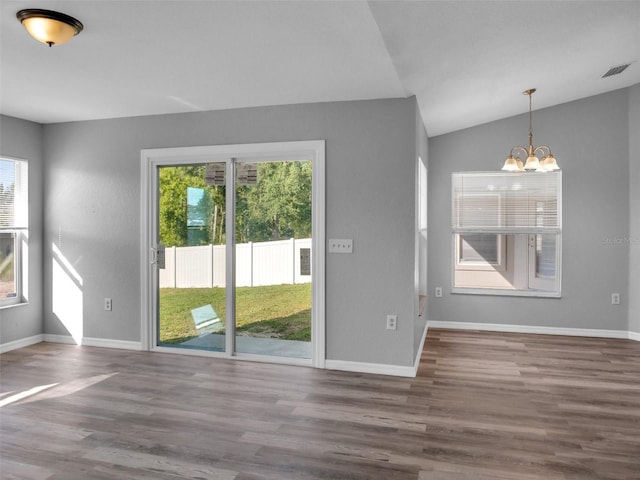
(264, 263)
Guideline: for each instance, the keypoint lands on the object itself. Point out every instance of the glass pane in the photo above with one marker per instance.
(191, 210)
(479, 248)
(273, 258)
(7, 193)
(7, 266)
(545, 256)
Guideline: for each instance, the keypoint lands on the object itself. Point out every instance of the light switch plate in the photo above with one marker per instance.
(340, 245)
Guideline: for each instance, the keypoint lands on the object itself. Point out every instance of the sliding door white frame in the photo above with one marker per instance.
(151, 159)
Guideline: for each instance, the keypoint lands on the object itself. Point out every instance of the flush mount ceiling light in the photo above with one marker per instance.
(47, 26)
(546, 163)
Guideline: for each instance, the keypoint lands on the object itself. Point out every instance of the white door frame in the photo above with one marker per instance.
(151, 159)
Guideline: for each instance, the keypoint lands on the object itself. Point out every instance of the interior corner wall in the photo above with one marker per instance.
(22, 139)
(589, 137)
(634, 209)
(92, 213)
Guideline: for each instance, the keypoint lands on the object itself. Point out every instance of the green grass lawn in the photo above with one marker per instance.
(276, 311)
(7, 273)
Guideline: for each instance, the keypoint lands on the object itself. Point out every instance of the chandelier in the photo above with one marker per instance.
(546, 163)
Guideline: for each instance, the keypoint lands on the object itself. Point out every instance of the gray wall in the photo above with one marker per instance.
(634, 210)
(590, 140)
(92, 185)
(23, 139)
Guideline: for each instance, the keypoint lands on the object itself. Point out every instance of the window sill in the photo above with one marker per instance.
(13, 305)
(506, 293)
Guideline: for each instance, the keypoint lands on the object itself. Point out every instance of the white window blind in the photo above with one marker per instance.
(500, 202)
(13, 195)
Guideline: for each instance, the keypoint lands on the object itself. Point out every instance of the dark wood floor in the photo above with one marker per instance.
(485, 406)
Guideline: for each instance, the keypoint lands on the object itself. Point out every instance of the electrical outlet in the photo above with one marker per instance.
(107, 304)
(392, 322)
(340, 245)
(439, 292)
(615, 299)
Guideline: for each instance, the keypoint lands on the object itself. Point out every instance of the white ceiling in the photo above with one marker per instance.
(466, 61)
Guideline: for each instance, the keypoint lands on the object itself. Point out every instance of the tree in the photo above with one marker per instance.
(279, 206)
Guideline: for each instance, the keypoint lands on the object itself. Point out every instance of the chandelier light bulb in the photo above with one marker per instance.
(510, 164)
(532, 163)
(551, 163)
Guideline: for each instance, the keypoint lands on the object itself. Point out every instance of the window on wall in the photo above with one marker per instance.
(507, 233)
(13, 231)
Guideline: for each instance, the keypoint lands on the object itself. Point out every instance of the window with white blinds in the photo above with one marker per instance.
(507, 233)
(497, 202)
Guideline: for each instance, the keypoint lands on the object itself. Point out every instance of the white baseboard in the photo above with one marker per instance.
(377, 368)
(416, 363)
(380, 368)
(93, 342)
(21, 343)
(497, 327)
(66, 339)
(108, 343)
(634, 336)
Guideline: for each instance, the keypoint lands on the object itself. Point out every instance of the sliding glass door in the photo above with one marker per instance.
(232, 256)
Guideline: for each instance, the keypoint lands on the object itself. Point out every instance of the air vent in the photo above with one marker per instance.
(615, 70)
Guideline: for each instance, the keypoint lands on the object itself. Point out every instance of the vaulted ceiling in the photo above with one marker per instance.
(467, 62)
